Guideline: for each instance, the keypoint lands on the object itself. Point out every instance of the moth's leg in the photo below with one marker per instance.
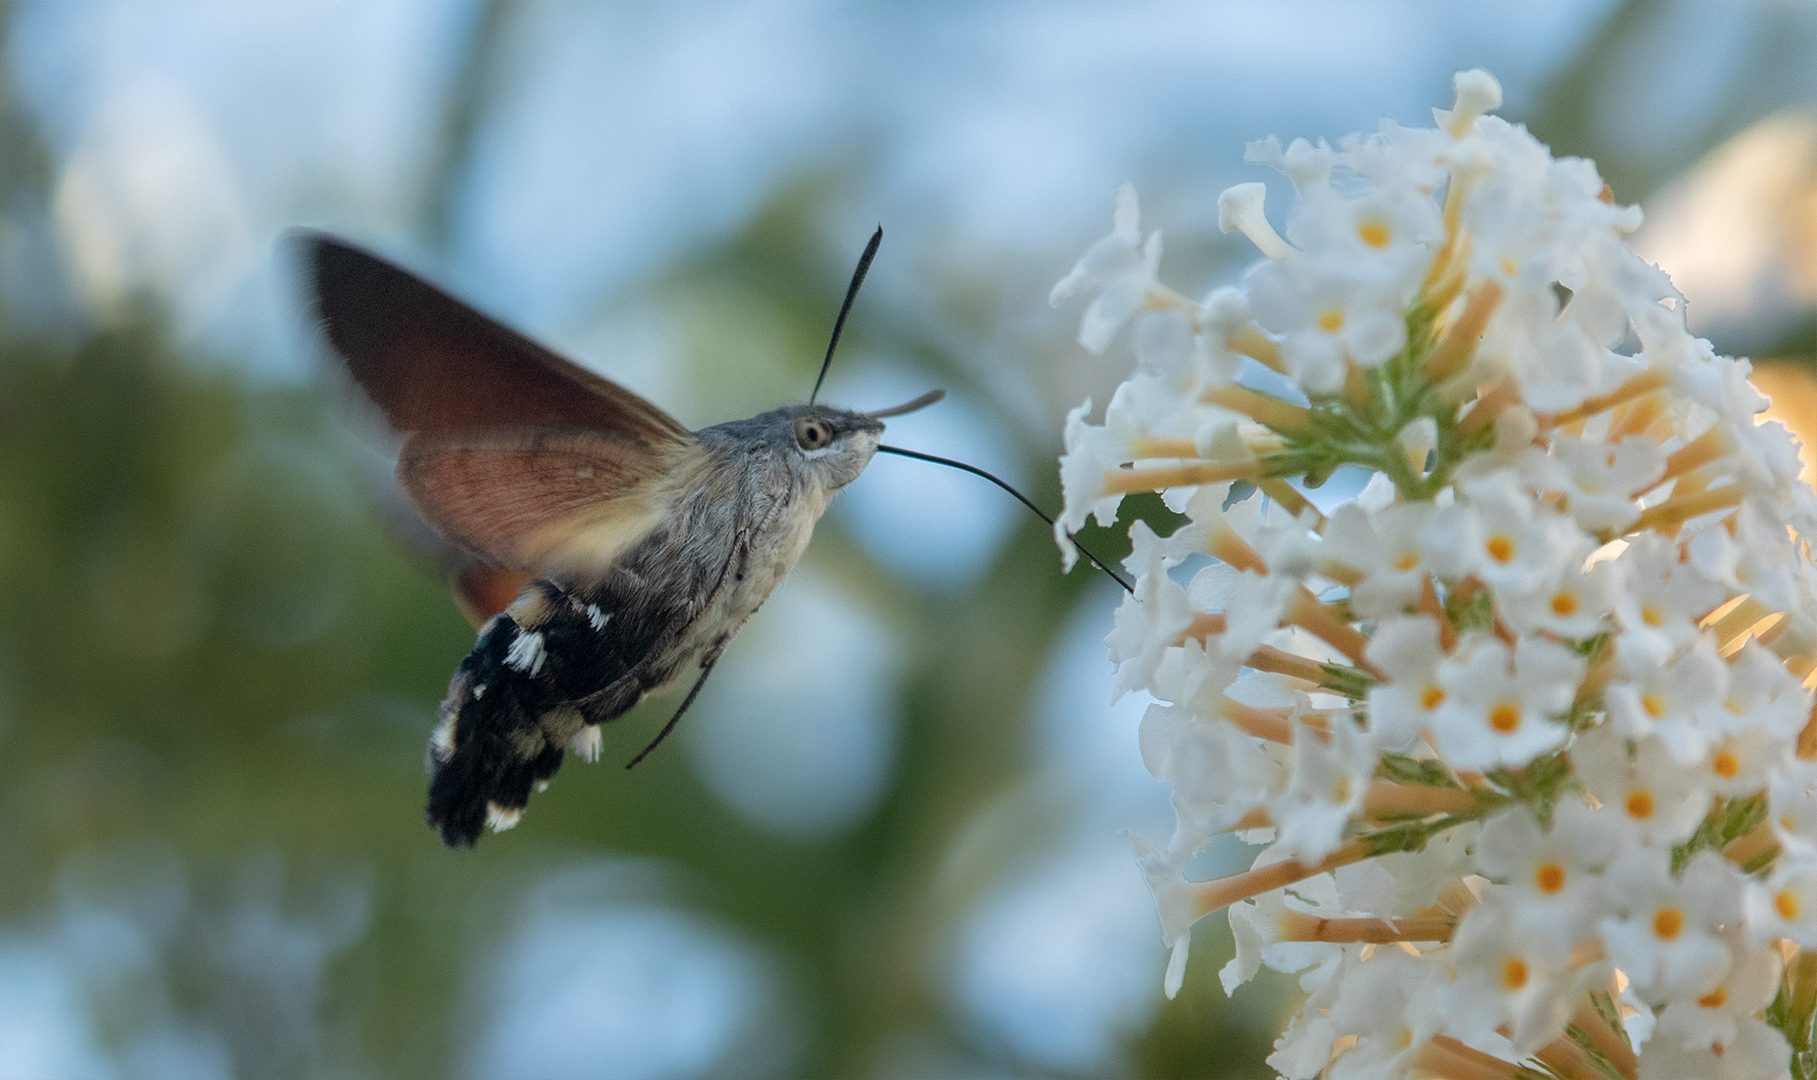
(706, 668)
(600, 708)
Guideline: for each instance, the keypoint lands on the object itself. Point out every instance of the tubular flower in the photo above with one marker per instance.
(1534, 705)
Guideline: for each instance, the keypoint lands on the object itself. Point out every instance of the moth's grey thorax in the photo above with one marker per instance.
(777, 497)
(769, 493)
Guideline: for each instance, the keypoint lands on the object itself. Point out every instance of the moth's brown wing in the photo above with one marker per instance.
(436, 367)
(557, 504)
(528, 461)
(482, 591)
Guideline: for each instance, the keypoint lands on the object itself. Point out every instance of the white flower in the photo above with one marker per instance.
(1553, 878)
(1386, 1017)
(1218, 773)
(1121, 267)
(1766, 458)
(1304, 1050)
(1407, 651)
(1736, 766)
(1504, 719)
(1792, 807)
(1240, 210)
(1177, 905)
(1406, 881)
(1385, 548)
(1763, 695)
(1151, 620)
(1330, 774)
(1665, 937)
(1714, 1017)
(1506, 978)
(1501, 706)
(1756, 558)
(1757, 1052)
(1573, 603)
(1557, 364)
(1500, 537)
(1142, 412)
(1477, 93)
(1307, 165)
(1648, 797)
(1082, 480)
(1394, 158)
(1260, 929)
(1255, 604)
(1678, 703)
(1604, 480)
(1224, 314)
(1383, 240)
(1719, 383)
(1784, 905)
(1328, 322)
(1607, 282)
(1662, 599)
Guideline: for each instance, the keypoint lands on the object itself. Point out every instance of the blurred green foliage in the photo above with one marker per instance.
(212, 647)
(207, 638)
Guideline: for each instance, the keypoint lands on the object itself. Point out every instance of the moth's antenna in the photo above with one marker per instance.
(851, 294)
(976, 471)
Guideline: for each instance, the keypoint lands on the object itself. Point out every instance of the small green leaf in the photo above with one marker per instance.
(1427, 772)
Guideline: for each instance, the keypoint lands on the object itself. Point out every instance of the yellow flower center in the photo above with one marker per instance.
(1331, 320)
(1650, 615)
(1549, 878)
(1564, 605)
(1640, 804)
(1407, 561)
(1715, 999)
(1668, 923)
(1725, 764)
(1505, 717)
(1374, 233)
(1786, 903)
(1514, 973)
(1653, 704)
(1500, 547)
(1432, 697)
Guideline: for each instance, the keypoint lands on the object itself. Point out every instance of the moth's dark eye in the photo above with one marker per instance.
(812, 433)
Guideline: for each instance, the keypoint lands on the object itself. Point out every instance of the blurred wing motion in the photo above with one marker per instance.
(559, 485)
(560, 505)
(482, 591)
(437, 367)
(519, 456)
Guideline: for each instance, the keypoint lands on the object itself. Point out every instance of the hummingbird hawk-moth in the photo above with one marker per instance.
(645, 545)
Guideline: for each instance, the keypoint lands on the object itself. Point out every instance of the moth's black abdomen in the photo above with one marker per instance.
(487, 750)
(551, 668)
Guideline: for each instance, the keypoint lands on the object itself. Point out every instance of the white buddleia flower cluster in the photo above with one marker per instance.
(1525, 726)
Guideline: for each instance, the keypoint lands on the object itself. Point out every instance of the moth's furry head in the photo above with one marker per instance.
(820, 444)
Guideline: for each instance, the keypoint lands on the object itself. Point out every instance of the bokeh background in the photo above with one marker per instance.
(886, 843)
